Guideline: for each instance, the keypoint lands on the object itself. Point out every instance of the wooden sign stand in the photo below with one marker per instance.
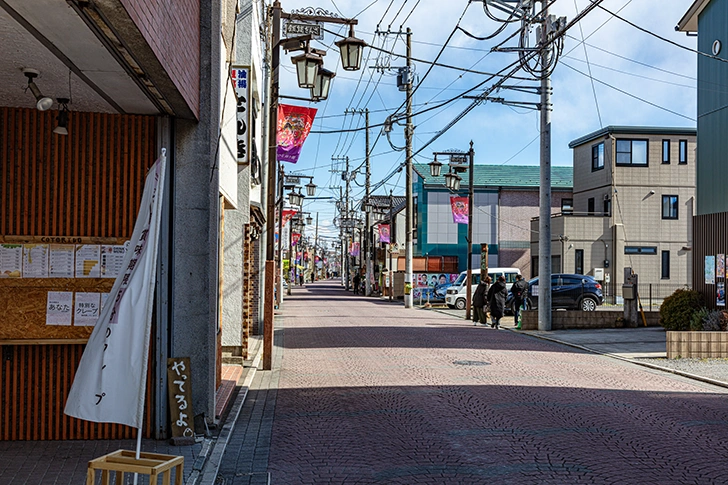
(123, 461)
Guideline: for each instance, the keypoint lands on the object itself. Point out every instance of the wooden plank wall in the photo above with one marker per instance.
(710, 238)
(86, 184)
(36, 380)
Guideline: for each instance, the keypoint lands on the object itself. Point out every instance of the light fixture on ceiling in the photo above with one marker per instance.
(62, 128)
(43, 103)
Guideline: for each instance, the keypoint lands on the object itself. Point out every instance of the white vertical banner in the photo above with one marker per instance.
(110, 382)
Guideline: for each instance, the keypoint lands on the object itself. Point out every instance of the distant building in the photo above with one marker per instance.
(709, 19)
(634, 190)
(505, 200)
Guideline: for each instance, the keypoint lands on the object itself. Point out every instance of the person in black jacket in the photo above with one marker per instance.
(519, 290)
(479, 313)
(497, 300)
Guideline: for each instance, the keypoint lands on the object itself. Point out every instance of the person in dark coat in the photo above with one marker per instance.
(357, 283)
(479, 302)
(520, 291)
(497, 300)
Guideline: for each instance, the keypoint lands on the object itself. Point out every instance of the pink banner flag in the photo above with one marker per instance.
(354, 250)
(294, 124)
(384, 233)
(294, 238)
(459, 209)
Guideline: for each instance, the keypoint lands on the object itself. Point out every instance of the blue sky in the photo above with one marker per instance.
(638, 80)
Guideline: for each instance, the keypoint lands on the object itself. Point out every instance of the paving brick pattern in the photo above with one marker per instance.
(367, 392)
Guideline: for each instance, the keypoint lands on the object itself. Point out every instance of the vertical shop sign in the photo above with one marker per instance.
(241, 79)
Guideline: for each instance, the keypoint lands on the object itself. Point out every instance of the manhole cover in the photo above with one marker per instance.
(471, 362)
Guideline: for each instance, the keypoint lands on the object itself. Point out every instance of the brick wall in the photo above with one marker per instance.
(172, 30)
(562, 320)
(257, 324)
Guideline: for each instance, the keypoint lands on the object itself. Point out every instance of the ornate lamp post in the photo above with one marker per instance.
(352, 47)
(452, 182)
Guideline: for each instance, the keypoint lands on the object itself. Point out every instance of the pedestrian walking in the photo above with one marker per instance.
(479, 302)
(357, 282)
(520, 291)
(497, 300)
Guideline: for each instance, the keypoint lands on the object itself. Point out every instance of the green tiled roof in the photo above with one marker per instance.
(512, 176)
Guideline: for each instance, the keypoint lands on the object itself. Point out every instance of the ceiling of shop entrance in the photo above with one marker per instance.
(50, 36)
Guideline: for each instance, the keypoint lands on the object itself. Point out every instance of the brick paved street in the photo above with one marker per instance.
(365, 391)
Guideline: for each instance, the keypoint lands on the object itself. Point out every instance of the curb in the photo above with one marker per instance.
(696, 377)
(208, 474)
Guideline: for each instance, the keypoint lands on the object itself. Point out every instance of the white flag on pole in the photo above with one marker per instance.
(110, 382)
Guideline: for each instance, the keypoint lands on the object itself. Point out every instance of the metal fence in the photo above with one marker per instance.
(651, 295)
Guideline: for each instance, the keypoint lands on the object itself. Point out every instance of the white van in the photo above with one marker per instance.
(455, 296)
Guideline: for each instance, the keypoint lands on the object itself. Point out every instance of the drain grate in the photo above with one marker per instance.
(471, 362)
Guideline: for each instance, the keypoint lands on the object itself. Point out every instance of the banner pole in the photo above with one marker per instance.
(138, 450)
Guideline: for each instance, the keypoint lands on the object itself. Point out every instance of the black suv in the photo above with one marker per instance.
(572, 291)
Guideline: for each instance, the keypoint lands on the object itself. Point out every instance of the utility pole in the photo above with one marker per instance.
(315, 243)
(368, 221)
(408, 133)
(346, 204)
(544, 219)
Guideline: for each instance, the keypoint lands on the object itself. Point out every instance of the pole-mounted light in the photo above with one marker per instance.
(311, 189)
(322, 84)
(452, 181)
(307, 66)
(435, 167)
(351, 50)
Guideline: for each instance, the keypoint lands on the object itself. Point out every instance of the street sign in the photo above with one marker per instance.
(291, 180)
(298, 28)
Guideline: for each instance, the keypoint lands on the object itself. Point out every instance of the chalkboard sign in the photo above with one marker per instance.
(179, 385)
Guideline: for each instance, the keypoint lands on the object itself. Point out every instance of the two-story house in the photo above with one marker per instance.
(634, 191)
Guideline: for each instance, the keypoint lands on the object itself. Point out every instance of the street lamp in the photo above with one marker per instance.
(310, 189)
(351, 50)
(309, 220)
(321, 84)
(307, 66)
(452, 182)
(347, 47)
(295, 198)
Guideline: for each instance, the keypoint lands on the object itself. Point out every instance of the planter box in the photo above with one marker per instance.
(697, 345)
(569, 319)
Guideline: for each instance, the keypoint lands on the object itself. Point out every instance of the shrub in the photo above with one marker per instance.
(715, 321)
(697, 322)
(676, 312)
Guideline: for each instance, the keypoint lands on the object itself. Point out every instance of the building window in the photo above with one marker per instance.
(590, 205)
(598, 157)
(640, 250)
(683, 152)
(665, 151)
(579, 261)
(632, 153)
(666, 265)
(669, 206)
(534, 266)
(607, 207)
(567, 206)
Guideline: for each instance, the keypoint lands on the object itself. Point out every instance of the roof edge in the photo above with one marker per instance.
(689, 21)
(632, 130)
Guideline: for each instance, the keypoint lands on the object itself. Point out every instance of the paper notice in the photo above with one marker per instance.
(11, 260)
(59, 309)
(35, 260)
(61, 261)
(86, 309)
(88, 261)
(112, 259)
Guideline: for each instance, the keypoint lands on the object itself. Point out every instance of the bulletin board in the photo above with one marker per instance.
(27, 300)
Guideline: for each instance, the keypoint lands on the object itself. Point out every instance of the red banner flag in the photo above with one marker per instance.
(295, 237)
(288, 214)
(294, 124)
(459, 209)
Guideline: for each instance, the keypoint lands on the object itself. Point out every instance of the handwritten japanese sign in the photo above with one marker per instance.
(241, 78)
(179, 386)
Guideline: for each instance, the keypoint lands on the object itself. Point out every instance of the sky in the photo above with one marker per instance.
(636, 79)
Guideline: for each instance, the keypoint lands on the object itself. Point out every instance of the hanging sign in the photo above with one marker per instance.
(459, 207)
(294, 124)
(384, 233)
(179, 386)
(241, 79)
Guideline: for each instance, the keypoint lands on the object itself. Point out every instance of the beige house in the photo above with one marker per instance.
(634, 197)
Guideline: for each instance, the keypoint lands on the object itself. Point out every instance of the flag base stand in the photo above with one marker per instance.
(124, 461)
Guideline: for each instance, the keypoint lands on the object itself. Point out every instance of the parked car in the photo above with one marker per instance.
(570, 291)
